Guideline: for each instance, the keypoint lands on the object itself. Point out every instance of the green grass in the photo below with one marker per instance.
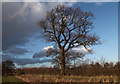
(11, 79)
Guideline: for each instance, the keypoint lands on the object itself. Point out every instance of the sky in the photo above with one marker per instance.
(23, 43)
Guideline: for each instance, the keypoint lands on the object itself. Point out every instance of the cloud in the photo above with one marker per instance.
(15, 31)
(81, 50)
(24, 61)
(46, 48)
(30, 61)
(6, 57)
(16, 51)
(35, 9)
(34, 65)
(19, 22)
(41, 54)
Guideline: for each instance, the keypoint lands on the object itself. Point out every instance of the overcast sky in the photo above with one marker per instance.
(23, 43)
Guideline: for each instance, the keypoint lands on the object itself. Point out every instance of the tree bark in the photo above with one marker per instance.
(62, 63)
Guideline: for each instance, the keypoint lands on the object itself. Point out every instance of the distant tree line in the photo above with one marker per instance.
(83, 69)
(91, 69)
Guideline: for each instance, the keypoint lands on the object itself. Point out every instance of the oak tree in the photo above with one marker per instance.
(69, 28)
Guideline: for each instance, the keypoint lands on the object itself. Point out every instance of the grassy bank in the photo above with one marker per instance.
(11, 79)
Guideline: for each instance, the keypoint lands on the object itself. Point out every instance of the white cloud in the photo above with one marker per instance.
(81, 50)
(35, 10)
(46, 48)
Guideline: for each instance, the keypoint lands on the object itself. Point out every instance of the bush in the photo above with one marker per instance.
(8, 67)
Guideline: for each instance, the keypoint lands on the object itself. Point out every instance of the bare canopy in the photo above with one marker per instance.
(68, 27)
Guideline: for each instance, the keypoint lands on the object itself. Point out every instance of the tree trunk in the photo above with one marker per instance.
(62, 63)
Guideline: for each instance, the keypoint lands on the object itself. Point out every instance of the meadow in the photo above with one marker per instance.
(57, 78)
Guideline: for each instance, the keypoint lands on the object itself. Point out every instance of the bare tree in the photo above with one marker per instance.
(68, 27)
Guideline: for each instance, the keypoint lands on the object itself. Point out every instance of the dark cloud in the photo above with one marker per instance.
(16, 51)
(41, 54)
(18, 29)
(16, 33)
(19, 21)
(21, 61)
(6, 57)
(30, 61)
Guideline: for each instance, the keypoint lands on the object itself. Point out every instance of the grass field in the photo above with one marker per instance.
(11, 79)
(53, 78)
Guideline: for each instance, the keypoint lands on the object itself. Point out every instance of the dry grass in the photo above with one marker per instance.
(57, 78)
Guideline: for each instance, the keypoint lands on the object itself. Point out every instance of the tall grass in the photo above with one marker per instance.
(57, 78)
